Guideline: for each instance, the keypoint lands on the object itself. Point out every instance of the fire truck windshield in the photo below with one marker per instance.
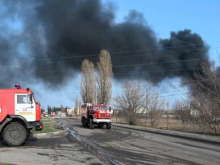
(96, 108)
(99, 108)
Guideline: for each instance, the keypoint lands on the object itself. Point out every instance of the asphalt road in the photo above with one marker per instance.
(130, 147)
(49, 150)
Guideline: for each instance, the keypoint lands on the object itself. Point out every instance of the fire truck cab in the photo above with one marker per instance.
(19, 113)
(94, 114)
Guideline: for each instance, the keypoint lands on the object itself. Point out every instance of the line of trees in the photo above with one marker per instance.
(203, 103)
(206, 96)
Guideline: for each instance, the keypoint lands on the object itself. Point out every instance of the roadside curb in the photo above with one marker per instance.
(197, 137)
(48, 133)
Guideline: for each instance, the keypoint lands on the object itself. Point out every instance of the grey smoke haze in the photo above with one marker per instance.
(57, 35)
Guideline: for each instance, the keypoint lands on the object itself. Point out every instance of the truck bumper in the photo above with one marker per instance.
(39, 126)
(101, 120)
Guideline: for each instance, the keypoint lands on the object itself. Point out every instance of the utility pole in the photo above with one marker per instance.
(76, 106)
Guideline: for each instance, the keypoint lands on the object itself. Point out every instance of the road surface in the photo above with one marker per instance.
(130, 147)
(49, 150)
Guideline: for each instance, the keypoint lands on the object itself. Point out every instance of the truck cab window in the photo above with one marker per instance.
(30, 99)
(104, 108)
(22, 99)
(95, 108)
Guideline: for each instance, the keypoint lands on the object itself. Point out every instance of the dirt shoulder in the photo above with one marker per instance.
(205, 138)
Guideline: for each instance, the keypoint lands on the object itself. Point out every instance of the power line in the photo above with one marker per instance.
(132, 65)
(155, 93)
(158, 71)
(158, 63)
(134, 55)
(129, 73)
(132, 51)
(73, 60)
(63, 59)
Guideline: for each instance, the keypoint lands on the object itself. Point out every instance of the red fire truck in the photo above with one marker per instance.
(93, 114)
(19, 113)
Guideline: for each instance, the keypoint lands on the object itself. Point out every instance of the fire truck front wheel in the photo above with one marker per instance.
(15, 134)
(108, 125)
(91, 125)
(83, 122)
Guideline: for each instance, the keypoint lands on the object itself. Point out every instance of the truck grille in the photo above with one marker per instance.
(103, 115)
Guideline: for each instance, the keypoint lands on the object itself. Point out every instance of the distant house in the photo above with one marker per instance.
(70, 111)
(169, 116)
(194, 113)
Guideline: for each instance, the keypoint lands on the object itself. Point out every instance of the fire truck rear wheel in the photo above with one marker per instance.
(91, 126)
(15, 134)
(83, 122)
(108, 125)
(28, 133)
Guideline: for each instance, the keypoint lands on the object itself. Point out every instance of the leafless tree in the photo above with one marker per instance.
(130, 100)
(206, 96)
(88, 85)
(104, 77)
(182, 110)
(153, 105)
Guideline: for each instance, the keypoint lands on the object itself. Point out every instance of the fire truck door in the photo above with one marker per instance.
(23, 107)
(0, 112)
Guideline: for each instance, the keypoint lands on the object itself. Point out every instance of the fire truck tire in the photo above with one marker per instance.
(84, 122)
(108, 125)
(15, 134)
(28, 133)
(91, 126)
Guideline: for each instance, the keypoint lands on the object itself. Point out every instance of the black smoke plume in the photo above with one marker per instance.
(57, 35)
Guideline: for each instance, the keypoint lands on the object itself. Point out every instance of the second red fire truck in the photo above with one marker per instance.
(93, 114)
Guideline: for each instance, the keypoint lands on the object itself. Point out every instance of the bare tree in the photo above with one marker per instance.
(129, 101)
(104, 78)
(182, 110)
(153, 105)
(88, 86)
(206, 96)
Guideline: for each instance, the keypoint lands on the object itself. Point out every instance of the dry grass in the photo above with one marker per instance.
(172, 124)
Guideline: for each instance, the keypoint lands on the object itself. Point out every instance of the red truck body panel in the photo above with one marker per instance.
(38, 112)
(7, 107)
(7, 102)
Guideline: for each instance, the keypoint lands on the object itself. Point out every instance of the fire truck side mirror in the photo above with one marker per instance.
(31, 99)
(110, 110)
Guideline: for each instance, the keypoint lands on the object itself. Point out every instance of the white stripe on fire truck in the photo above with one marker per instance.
(27, 113)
